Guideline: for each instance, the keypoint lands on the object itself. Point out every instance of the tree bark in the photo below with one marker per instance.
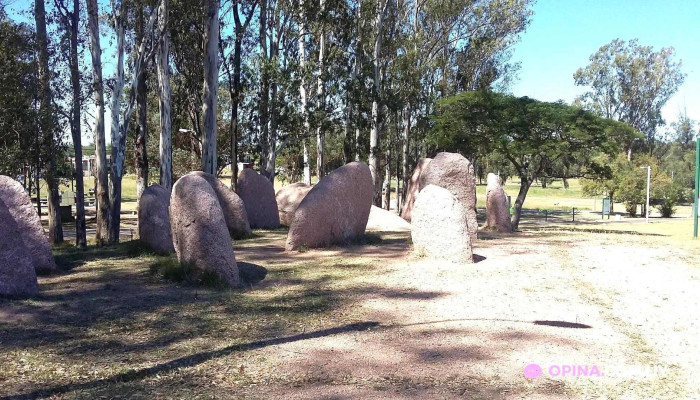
(307, 170)
(525, 183)
(374, 136)
(80, 228)
(387, 180)
(234, 91)
(302, 91)
(320, 91)
(165, 148)
(405, 172)
(140, 152)
(264, 90)
(102, 194)
(211, 84)
(46, 122)
(115, 192)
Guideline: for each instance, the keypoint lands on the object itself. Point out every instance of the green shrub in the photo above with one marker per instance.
(670, 195)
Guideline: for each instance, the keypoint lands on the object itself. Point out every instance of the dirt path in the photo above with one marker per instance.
(368, 321)
(445, 330)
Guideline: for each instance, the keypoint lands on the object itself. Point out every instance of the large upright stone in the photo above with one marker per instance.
(497, 211)
(232, 206)
(200, 236)
(335, 210)
(413, 188)
(17, 274)
(456, 174)
(288, 200)
(439, 226)
(258, 195)
(25, 216)
(154, 219)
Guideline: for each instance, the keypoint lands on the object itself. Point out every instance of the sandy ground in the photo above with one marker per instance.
(622, 305)
(442, 330)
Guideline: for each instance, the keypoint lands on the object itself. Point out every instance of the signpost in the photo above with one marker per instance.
(697, 187)
(606, 208)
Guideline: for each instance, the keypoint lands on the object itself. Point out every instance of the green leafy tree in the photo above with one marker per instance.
(536, 137)
(631, 83)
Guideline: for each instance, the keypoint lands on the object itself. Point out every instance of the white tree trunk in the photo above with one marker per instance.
(211, 84)
(120, 124)
(166, 133)
(102, 193)
(302, 90)
(320, 92)
(117, 161)
(307, 170)
(374, 135)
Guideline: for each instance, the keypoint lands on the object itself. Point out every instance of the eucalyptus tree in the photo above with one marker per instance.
(47, 123)
(144, 52)
(165, 149)
(242, 13)
(211, 86)
(631, 83)
(69, 23)
(102, 192)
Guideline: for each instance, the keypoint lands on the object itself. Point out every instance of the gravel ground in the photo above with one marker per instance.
(611, 302)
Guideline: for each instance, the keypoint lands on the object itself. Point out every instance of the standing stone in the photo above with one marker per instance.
(413, 188)
(258, 195)
(335, 210)
(200, 236)
(456, 174)
(497, 211)
(439, 226)
(232, 206)
(25, 216)
(288, 200)
(154, 219)
(17, 274)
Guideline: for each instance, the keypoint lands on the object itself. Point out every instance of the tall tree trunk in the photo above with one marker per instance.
(374, 136)
(307, 170)
(387, 180)
(115, 194)
(269, 167)
(264, 90)
(236, 89)
(80, 228)
(211, 85)
(140, 152)
(525, 183)
(320, 92)
(347, 115)
(101, 180)
(405, 172)
(234, 109)
(46, 122)
(302, 90)
(165, 148)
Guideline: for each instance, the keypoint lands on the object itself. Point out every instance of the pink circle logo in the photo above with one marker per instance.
(532, 371)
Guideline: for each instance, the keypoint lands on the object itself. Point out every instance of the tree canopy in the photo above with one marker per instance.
(539, 139)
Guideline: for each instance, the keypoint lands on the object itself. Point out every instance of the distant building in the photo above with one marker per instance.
(89, 163)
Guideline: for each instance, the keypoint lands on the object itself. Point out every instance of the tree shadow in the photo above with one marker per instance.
(191, 360)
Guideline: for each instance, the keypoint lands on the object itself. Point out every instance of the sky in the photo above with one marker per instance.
(563, 35)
